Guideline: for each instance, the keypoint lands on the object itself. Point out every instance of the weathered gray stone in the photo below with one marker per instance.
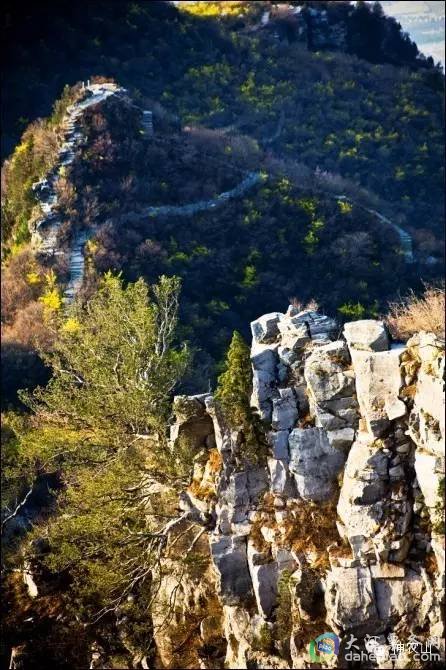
(284, 410)
(264, 357)
(281, 482)
(350, 601)
(427, 419)
(265, 328)
(314, 463)
(430, 470)
(295, 333)
(326, 420)
(387, 571)
(278, 441)
(366, 335)
(360, 505)
(341, 438)
(306, 324)
(294, 337)
(257, 482)
(396, 472)
(395, 409)
(320, 325)
(264, 581)
(331, 387)
(324, 372)
(264, 361)
(262, 393)
(397, 598)
(236, 497)
(238, 629)
(287, 356)
(230, 561)
(378, 384)
(335, 352)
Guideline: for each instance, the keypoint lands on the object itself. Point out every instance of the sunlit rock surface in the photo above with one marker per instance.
(337, 522)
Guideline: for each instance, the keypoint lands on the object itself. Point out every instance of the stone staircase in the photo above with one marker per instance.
(44, 234)
(147, 122)
(248, 182)
(77, 263)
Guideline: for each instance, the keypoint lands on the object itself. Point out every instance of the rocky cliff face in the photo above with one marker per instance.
(338, 525)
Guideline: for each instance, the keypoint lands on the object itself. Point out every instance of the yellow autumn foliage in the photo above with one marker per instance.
(33, 278)
(71, 326)
(51, 300)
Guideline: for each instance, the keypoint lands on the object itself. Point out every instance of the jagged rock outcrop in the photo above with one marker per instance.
(338, 526)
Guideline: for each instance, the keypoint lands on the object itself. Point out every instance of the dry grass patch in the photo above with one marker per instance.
(416, 313)
(431, 565)
(215, 461)
(310, 529)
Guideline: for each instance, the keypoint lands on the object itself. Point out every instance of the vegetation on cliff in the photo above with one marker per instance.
(418, 312)
(99, 430)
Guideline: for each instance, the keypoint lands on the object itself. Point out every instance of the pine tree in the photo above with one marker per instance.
(234, 384)
(113, 362)
(234, 392)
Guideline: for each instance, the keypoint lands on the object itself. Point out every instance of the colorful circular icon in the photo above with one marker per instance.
(324, 647)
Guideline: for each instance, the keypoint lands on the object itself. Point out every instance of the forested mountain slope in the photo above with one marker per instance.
(376, 119)
(243, 228)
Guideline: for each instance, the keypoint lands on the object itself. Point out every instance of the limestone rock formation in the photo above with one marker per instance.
(338, 526)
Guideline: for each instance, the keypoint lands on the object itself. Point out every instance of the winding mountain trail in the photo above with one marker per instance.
(44, 235)
(248, 182)
(45, 232)
(77, 263)
(77, 259)
(406, 241)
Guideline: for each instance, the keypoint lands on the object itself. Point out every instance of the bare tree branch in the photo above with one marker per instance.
(19, 506)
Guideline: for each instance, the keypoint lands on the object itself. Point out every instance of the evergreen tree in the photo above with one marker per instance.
(234, 384)
(234, 392)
